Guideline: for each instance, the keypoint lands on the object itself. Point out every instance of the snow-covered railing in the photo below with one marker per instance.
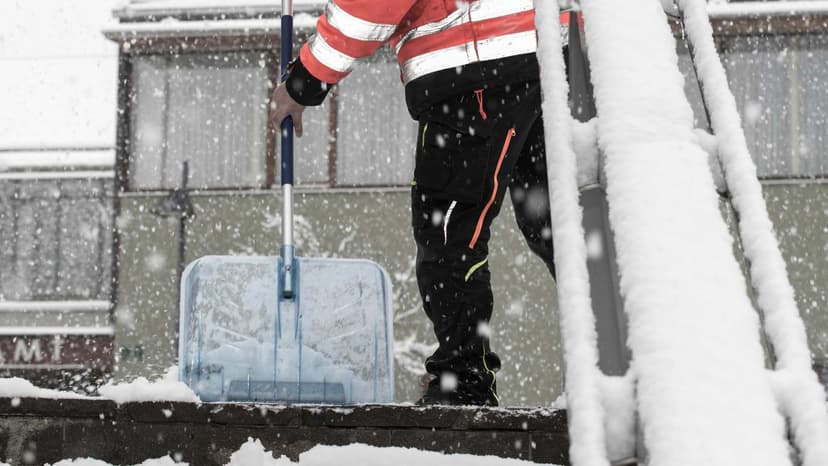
(753, 9)
(698, 381)
(583, 377)
(798, 393)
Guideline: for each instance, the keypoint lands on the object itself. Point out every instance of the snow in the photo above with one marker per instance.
(173, 27)
(145, 8)
(758, 8)
(58, 85)
(44, 330)
(165, 461)
(55, 306)
(253, 453)
(803, 401)
(17, 388)
(586, 414)
(168, 388)
(585, 145)
(55, 175)
(20, 158)
(702, 390)
(619, 423)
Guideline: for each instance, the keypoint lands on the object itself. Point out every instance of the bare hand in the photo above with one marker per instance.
(282, 106)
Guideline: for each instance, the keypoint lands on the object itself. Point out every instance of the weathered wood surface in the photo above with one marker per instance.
(37, 431)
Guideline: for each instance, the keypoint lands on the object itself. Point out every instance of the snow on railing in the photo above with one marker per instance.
(684, 290)
(583, 377)
(798, 390)
(780, 8)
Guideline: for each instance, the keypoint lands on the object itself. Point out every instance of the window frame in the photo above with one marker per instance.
(726, 29)
(104, 283)
(173, 47)
(267, 44)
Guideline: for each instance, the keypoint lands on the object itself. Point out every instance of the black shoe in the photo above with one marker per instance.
(465, 394)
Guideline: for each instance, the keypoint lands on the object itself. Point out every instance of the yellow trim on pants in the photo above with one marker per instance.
(474, 268)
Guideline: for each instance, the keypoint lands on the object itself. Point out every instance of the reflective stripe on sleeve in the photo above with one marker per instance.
(357, 28)
(329, 56)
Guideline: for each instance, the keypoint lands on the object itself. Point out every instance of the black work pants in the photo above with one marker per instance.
(471, 147)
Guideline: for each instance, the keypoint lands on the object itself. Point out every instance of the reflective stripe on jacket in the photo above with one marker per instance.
(426, 35)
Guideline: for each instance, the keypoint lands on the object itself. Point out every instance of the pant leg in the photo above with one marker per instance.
(529, 190)
(463, 169)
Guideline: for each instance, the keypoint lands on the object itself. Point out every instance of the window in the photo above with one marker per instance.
(375, 134)
(55, 239)
(209, 109)
(781, 86)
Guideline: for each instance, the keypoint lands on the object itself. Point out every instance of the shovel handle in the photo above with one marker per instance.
(287, 251)
(285, 57)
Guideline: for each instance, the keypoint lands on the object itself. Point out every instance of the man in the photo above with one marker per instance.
(472, 81)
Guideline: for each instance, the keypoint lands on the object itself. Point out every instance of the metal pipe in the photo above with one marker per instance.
(287, 250)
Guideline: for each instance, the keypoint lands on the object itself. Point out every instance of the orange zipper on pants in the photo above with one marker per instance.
(488, 205)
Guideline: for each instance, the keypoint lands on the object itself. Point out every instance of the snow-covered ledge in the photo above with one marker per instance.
(753, 9)
(202, 28)
(45, 430)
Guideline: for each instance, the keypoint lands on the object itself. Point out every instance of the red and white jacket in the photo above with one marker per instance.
(426, 35)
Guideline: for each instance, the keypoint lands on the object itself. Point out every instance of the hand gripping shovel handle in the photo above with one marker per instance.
(287, 250)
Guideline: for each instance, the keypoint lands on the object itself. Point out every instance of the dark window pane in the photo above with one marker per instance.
(376, 136)
(781, 87)
(55, 239)
(208, 109)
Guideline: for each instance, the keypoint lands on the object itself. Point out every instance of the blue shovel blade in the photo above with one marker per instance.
(331, 343)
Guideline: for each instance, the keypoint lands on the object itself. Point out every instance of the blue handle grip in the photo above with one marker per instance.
(286, 55)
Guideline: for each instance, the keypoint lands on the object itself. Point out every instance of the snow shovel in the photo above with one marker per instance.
(286, 329)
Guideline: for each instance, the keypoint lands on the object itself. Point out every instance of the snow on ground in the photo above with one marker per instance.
(167, 388)
(16, 388)
(253, 453)
(165, 461)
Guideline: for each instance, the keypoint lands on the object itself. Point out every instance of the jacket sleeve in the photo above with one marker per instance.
(347, 31)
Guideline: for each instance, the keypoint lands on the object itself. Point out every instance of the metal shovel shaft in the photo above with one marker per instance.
(287, 250)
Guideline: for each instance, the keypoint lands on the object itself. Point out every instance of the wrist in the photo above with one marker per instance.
(303, 87)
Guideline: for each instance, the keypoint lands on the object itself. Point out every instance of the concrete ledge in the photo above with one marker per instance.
(44, 430)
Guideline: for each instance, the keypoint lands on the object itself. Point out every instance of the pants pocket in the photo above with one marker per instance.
(451, 163)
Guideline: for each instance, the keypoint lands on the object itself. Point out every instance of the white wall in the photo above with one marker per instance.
(58, 74)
